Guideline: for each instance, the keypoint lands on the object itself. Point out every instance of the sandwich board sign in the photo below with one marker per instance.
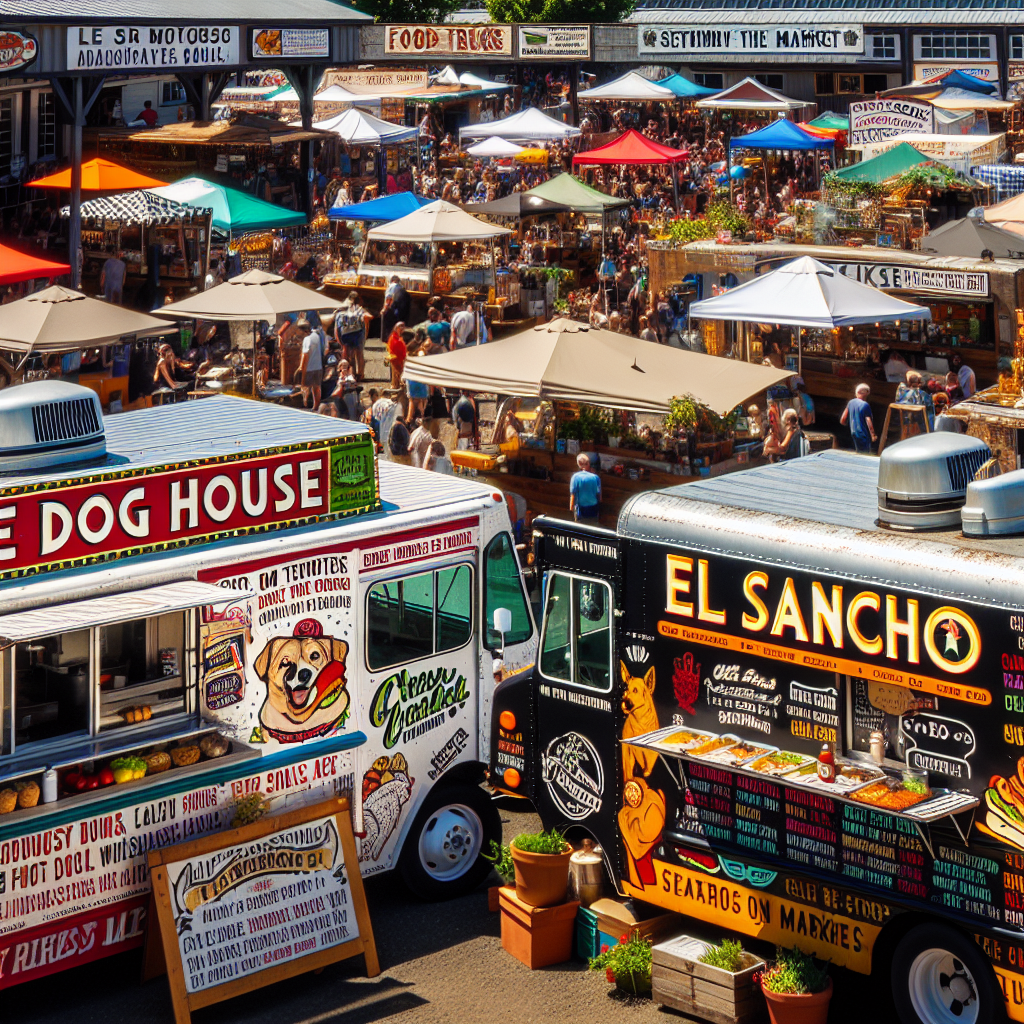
(245, 908)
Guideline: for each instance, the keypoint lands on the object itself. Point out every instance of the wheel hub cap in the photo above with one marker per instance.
(450, 842)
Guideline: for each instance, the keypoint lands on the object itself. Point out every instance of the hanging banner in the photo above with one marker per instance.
(874, 120)
(449, 40)
(291, 42)
(679, 41)
(378, 79)
(567, 42)
(151, 46)
(921, 280)
(16, 50)
(986, 71)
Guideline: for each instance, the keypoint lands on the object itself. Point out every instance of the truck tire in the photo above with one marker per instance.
(440, 858)
(940, 976)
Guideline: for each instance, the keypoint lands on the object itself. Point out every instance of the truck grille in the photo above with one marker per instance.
(65, 421)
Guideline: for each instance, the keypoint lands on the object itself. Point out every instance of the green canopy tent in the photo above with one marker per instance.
(833, 122)
(234, 211)
(889, 164)
(568, 190)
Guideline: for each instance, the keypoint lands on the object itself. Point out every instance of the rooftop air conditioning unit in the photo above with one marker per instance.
(995, 506)
(49, 423)
(922, 482)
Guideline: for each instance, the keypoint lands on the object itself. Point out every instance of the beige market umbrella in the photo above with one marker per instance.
(254, 295)
(569, 361)
(60, 319)
(437, 222)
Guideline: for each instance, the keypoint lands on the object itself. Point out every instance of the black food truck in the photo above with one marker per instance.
(694, 663)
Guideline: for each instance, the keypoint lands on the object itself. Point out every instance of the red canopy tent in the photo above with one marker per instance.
(633, 148)
(18, 266)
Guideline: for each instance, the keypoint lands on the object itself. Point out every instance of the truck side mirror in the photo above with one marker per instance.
(502, 625)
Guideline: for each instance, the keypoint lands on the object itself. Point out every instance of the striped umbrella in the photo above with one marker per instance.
(138, 207)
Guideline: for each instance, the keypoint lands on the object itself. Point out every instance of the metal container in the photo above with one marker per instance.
(586, 873)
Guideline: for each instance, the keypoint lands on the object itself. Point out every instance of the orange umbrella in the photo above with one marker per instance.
(20, 266)
(99, 175)
(822, 133)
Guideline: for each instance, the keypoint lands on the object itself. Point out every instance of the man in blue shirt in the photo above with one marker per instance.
(584, 490)
(858, 414)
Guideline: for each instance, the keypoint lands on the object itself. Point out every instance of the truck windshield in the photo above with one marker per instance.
(503, 588)
(576, 645)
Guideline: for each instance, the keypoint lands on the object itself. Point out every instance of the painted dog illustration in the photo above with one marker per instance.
(641, 717)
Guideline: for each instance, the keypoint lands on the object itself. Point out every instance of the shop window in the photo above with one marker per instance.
(47, 131)
(710, 80)
(884, 47)
(824, 83)
(576, 645)
(172, 92)
(1017, 47)
(771, 81)
(51, 688)
(503, 588)
(955, 46)
(6, 134)
(850, 84)
(418, 616)
(875, 83)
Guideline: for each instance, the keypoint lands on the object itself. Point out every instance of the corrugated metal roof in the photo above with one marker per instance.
(223, 425)
(702, 12)
(404, 489)
(819, 514)
(324, 11)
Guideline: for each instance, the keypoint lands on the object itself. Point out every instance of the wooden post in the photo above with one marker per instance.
(75, 222)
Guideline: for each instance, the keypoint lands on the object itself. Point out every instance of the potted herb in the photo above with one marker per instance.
(500, 857)
(796, 988)
(541, 861)
(627, 964)
(691, 975)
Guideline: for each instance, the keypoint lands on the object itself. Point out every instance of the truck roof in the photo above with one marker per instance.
(820, 513)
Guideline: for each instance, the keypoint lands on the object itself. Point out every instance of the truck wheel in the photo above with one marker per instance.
(941, 977)
(441, 855)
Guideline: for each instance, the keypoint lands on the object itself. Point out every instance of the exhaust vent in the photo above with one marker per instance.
(995, 507)
(49, 423)
(922, 482)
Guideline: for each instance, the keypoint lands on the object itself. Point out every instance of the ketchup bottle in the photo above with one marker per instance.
(827, 764)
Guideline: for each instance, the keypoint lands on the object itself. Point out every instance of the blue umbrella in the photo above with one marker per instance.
(739, 171)
(383, 208)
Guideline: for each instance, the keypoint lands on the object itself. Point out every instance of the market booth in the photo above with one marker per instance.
(971, 303)
(565, 385)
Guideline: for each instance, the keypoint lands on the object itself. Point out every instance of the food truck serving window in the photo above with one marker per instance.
(418, 616)
(576, 646)
(117, 663)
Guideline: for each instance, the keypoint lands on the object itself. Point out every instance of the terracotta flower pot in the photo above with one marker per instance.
(542, 879)
(788, 1008)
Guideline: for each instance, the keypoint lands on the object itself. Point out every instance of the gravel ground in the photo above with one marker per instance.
(440, 964)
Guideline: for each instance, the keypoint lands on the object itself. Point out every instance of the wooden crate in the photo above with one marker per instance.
(679, 980)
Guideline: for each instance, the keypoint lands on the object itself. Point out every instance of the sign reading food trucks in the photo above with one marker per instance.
(449, 40)
(134, 512)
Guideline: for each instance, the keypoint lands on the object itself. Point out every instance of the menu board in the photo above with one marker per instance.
(263, 902)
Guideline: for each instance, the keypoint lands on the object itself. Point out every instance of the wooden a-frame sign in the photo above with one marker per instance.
(254, 905)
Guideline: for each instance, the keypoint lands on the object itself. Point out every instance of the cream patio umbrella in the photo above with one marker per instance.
(60, 319)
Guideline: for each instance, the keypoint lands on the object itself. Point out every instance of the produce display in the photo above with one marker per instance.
(779, 762)
(8, 800)
(126, 769)
(157, 762)
(184, 756)
(891, 794)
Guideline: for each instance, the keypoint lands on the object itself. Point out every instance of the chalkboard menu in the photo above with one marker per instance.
(260, 903)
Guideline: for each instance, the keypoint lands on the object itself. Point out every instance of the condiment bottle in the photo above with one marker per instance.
(49, 787)
(827, 764)
(876, 743)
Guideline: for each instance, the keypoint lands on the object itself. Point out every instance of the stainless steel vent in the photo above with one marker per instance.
(65, 421)
(994, 507)
(922, 482)
(49, 423)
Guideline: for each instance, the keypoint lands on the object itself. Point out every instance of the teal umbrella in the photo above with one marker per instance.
(233, 210)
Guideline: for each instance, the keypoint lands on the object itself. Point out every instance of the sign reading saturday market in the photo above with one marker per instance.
(873, 120)
(449, 40)
(890, 277)
(291, 42)
(752, 38)
(16, 50)
(538, 42)
(152, 46)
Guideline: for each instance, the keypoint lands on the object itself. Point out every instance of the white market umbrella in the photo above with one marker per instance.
(339, 94)
(528, 125)
(629, 86)
(436, 222)
(476, 82)
(806, 293)
(358, 128)
(494, 147)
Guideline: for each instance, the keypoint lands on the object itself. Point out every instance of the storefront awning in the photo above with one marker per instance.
(102, 611)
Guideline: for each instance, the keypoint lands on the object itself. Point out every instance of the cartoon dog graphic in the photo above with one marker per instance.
(641, 717)
(306, 686)
(386, 790)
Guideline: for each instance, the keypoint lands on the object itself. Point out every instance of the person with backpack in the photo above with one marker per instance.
(350, 331)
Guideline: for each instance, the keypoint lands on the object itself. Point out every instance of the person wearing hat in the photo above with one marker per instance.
(311, 364)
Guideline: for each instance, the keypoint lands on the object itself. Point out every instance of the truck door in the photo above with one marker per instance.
(577, 759)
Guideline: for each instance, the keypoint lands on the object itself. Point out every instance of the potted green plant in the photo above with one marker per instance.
(500, 857)
(627, 964)
(796, 988)
(541, 861)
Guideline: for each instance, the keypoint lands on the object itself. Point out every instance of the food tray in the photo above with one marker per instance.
(941, 805)
(765, 765)
(738, 754)
(842, 786)
(713, 744)
(661, 739)
(900, 798)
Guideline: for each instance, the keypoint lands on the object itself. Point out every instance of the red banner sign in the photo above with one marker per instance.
(65, 526)
(58, 945)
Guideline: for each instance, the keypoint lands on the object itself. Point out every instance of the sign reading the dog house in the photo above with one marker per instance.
(130, 512)
(260, 903)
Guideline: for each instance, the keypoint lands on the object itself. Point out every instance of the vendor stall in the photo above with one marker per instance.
(569, 385)
(528, 125)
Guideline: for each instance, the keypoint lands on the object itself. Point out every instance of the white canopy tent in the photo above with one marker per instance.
(339, 94)
(358, 128)
(494, 147)
(629, 86)
(806, 293)
(528, 125)
(476, 82)
(750, 94)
